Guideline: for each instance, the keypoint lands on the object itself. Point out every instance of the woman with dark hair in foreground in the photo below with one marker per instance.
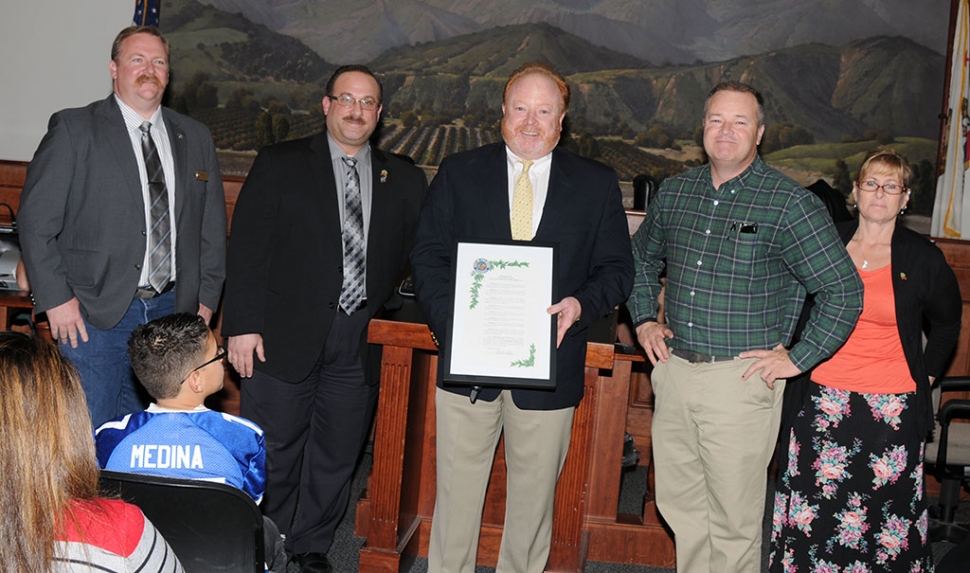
(54, 519)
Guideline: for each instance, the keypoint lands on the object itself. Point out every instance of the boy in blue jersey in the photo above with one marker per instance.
(177, 360)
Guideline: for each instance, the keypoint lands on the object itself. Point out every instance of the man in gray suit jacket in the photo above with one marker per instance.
(122, 220)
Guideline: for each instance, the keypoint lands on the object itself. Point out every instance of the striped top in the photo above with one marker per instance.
(112, 537)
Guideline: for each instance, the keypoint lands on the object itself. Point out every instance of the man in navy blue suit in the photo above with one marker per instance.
(574, 202)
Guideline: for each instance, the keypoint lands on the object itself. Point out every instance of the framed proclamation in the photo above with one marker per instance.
(499, 331)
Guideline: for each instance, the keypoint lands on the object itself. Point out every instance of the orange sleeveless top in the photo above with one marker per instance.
(872, 359)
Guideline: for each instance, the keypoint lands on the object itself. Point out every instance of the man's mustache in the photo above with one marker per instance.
(146, 78)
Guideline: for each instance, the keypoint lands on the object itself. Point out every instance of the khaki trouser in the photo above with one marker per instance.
(536, 442)
(713, 438)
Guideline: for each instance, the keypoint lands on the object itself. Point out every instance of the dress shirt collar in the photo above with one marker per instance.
(539, 165)
(133, 119)
(337, 152)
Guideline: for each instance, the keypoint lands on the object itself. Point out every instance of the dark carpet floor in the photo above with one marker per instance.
(344, 553)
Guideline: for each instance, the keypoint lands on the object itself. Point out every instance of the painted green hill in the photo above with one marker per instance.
(496, 52)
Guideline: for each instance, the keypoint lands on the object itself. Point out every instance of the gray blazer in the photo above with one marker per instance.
(82, 223)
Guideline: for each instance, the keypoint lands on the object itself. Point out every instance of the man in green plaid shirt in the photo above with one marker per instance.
(742, 245)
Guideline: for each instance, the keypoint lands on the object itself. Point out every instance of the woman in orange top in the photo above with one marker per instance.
(851, 496)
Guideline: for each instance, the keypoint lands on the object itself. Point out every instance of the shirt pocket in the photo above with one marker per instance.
(743, 254)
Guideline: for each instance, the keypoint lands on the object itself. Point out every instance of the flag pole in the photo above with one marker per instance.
(951, 205)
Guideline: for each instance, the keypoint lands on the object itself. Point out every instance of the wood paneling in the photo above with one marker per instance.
(12, 176)
(14, 173)
(395, 512)
(958, 255)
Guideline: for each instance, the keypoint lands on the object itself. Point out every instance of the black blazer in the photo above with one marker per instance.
(926, 293)
(285, 261)
(469, 199)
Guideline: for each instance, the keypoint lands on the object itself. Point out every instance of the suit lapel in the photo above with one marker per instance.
(381, 209)
(178, 143)
(113, 125)
(556, 194)
(494, 192)
(323, 190)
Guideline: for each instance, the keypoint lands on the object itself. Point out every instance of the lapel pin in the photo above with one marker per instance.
(902, 276)
(383, 175)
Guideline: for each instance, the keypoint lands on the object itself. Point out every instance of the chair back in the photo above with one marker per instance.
(210, 526)
(931, 449)
(954, 441)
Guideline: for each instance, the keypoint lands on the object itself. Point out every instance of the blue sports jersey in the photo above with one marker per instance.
(188, 444)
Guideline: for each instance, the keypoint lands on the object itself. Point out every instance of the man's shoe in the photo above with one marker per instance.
(313, 563)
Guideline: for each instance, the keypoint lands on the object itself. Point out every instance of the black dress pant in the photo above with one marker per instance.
(314, 431)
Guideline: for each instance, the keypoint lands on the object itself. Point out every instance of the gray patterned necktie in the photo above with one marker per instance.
(352, 292)
(160, 236)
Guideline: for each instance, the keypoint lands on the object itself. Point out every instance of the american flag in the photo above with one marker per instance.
(951, 209)
(146, 13)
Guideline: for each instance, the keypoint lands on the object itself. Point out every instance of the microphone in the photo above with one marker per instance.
(476, 390)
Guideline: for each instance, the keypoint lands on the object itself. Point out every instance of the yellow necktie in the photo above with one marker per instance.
(521, 216)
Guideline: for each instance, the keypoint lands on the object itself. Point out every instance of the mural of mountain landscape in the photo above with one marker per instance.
(840, 77)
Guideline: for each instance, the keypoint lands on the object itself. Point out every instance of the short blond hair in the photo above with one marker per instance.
(131, 31)
(890, 160)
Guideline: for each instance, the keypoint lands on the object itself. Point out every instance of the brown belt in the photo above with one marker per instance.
(697, 357)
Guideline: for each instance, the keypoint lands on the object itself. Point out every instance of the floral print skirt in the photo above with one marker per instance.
(851, 496)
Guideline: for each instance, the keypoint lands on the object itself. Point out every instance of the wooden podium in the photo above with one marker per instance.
(394, 514)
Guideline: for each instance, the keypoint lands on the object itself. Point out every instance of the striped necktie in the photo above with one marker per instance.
(352, 291)
(160, 237)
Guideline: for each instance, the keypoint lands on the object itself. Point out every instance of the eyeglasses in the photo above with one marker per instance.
(889, 188)
(366, 103)
(220, 354)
